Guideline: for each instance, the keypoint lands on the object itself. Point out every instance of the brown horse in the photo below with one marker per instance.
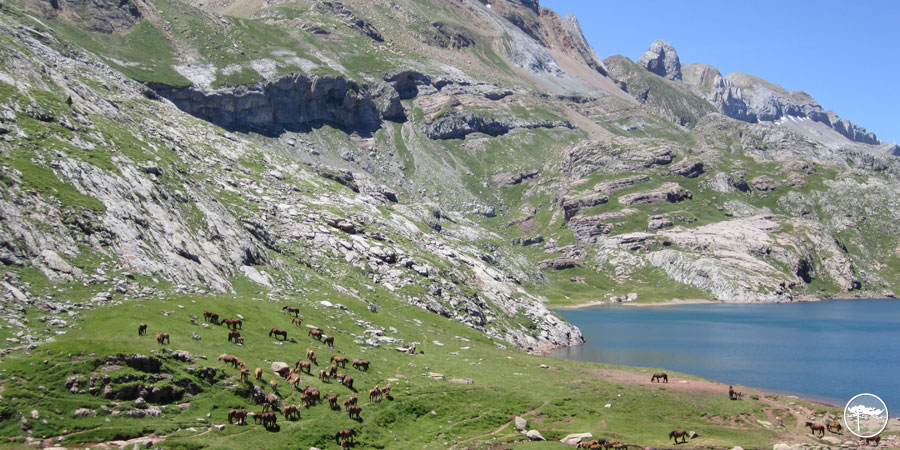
(291, 412)
(304, 366)
(229, 359)
(338, 359)
(329, 341)
(277, 332)
(233, 335)
(332, 401)
(142, 329)
(240, 415)
(344, 434)
(162, 338)
(354, 410)
(332, 371)
(292, 310)
(875, 439)
(245, 375)
(660, 377)
(316, 333)
(347, 381)
(211, 317)
(350, 401)
(374, 393)
(361, 364)
(313, 394)
(270, 403)
(296, 321)
(815, 428)
(234, 324)
(679, 434)
(612, 443)
(312, 358)
(324, 376)
(269, 419)
(386, 391)
(834, 426)
(258, 373)
(283, 372)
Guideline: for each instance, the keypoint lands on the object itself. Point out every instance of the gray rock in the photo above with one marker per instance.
(662, 59)
(557, 263)
(668, 192)
(140, 403)
(520, 423)
(458, 125)
(609, 187)
(687, 168)
(574, 439)
(534, 435)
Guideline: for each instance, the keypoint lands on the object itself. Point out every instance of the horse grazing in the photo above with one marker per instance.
(834, 426)
(162, 338)
(269, 419)
(815, 428)
(233, 335)
(361, 364)
(211, 317)
(142, 329)
(329, 341)
(277, 332)
(344, 434)
(350, 401)
(347, 380)
(338, 359)
(316, 333)
(258, 373)
(240, 415)
(292, 310)
(875, 439)
(332, 401)
(660, 377)
(312, 358)
(234, 324)
(245, 375)
(324, 376)
(296, 321)
(270, 403)
(332, 371)
(386, 391)
(291, 412)
(283, 372)
(354, 410)
(374, 393)
(303, 366)
(611, 444)
(679, 434)
(274, 384)
(313, 394)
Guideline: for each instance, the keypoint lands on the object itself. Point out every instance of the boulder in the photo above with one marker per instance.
(278, 365)
(662, 59)
(669, 192)
(764, 184)
(574, 439)
(557, 263)
(520, 423)
(687, 168)
(571, 206)
(535, 435)
(615, 185)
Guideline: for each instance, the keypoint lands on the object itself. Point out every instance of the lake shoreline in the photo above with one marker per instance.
(700, 301)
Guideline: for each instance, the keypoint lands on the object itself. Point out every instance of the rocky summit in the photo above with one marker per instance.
(415, 165)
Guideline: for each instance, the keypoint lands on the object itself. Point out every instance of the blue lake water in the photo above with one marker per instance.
(828, 351)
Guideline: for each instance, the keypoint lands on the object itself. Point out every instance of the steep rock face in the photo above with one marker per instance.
(293, 103)
(662, 59)
(458, 125)
(722, 93)
(102, 16)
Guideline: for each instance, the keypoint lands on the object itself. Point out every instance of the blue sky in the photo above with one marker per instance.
(845, 54)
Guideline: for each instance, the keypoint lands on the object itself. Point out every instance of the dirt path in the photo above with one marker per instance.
(641, 378)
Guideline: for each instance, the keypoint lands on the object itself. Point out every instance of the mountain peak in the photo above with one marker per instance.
(662, 59)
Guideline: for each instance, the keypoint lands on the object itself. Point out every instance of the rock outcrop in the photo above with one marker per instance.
(458, 125)
(662, 59)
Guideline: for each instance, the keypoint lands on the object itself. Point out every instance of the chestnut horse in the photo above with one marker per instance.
(660, 377)
(238, 414)
(374, 393)
(296, 321)
(386, 391)
(234, 324)
(329, 341)
(291, 412)
(834, 426)
(679, 434)
(283, 372)
(269, 419)
(338, 359)
(245, 375)
(347, 381)
(350, 401)
(233, 336)
(354, 410)
(332, 401)
(316, 333)
(292, 310)
(229, 359)
(361, 364)
(323, 375)
(344, 434)
(258, 373)
(277, 332)
(815, 428)
(875, 439)
(211, 317)
(142, 329)
(162, 338)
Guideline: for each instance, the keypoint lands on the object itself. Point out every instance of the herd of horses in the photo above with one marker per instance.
(309, 395)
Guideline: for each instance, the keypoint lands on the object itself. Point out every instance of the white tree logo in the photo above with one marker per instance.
(866, 415)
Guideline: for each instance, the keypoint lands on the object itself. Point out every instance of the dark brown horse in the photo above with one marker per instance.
(332, 401)
(292, 310)
(278, 332)
(354, 410)
(229, 359)
(234, 324)
(142, 329)
(875, 439)
(316, 333)
(240, 415)
(660, 377)
(815, 428)
(211, 317)
(361, 364)
(233, 335)
(162, 338)
(329, 341)
(679, 434)
(332, 371)
(269, 419)
(347, 380)
(350, 401)
(271, 402)
(344, 434)
(291, 412)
